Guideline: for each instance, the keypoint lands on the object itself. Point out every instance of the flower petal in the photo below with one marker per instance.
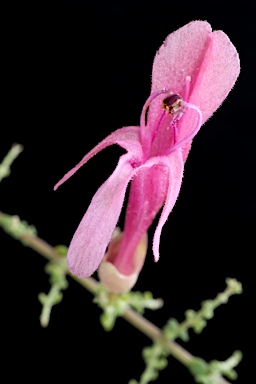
(127, 138)
(94, 232)
(217, 76)
(175, 168)
(180, 55)
(147, 195)
(213, 64)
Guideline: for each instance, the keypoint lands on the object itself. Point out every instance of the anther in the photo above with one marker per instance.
(173, 103)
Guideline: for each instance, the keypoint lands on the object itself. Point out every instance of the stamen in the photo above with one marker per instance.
(187, 87)
(193, 133)
(173, 104)
(146, 105)
(144, 137)
(174, 126)
(158, 125)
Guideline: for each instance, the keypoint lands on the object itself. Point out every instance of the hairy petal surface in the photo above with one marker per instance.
(94, 232)
(147, 195)
(213, 64)
(217, 76)
(181, 55)
(127, 138)
(220, 69)
(175, 166)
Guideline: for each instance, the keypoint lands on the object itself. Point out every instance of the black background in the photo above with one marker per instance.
(72, 73)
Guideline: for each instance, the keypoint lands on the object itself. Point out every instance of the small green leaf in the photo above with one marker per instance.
(198, 366)
(198, 320)
(57, 271)
(155, 361)
(114, 305)
(62, 250)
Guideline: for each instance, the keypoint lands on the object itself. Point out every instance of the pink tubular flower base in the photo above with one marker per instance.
(193, 72)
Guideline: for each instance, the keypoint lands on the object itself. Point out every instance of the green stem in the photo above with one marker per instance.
(221, 298)
(138, 321)
(8, 160)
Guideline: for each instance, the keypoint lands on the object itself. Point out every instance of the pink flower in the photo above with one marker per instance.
(193, 72)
